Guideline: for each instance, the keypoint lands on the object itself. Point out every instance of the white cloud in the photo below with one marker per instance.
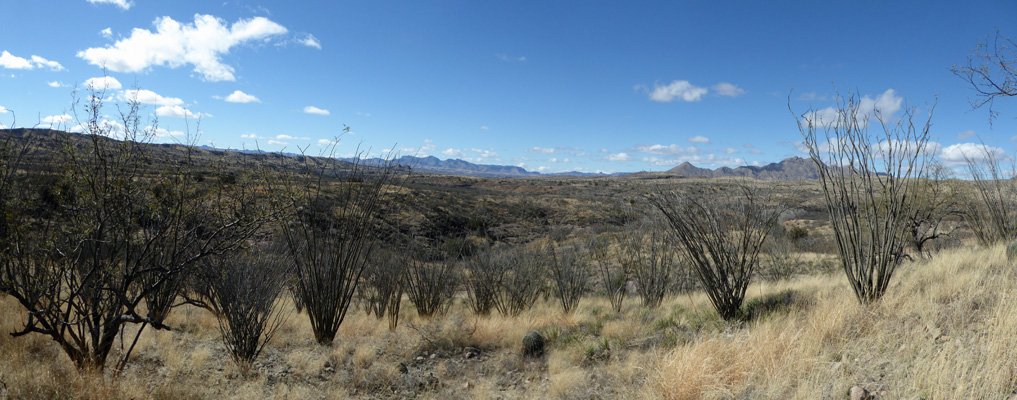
(288, 137)
(618, 157)
(149, 97)
(730, 150)
(55, 84)
(484, 128)
(326, 142)
(727, 89)
(178, 111)
(450, 152)
(885, 105)
(103, 83)
(106, 33)
(541, 150)
(489, 153)
(681, 90)
(958, 154)
(251, 136)
(42, 62)
(173, 45)
(10, 61)
(3, 110)
(810, 96)
(508, 59)
(277, 142)
(123, 4)
(316, 110)
(58, 119)
(699, 139)
(669, 150)
(241, 97)
(162, 132)
(310, 41)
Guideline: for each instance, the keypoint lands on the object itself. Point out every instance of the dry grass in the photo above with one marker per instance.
(946, 330)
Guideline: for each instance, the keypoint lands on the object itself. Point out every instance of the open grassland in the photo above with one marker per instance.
(946, 330)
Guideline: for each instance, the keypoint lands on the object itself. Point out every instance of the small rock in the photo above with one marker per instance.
(533, 344)
(859, 393)
(467, 385)
(420, 358)
(329, 370)
(433, 355)
(403, 368)
(328, 364)
(472, 352)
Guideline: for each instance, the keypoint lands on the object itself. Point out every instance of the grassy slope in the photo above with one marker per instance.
(946, 330)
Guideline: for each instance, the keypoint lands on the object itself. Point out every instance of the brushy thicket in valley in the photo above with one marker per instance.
(135, 270)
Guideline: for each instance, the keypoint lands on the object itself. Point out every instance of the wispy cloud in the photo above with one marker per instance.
(728, 89)
(700, 139)
(541, 150)
(677, 90)
(123, 4)
(310, 41)
(316, 110)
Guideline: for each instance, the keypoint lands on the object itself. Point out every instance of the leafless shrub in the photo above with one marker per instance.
(118, 234)
(720, 235)
(652, 261)
(431, 283)
(241, 290)
(870, 187)
(523, 281)
(570, 277)
(935, 201)
(328, 233)
(992, 214)
(613, 276)
(483, 274)
(383, 283)
(783, 260)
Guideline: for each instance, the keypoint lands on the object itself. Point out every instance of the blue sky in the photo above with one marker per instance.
(550, 86)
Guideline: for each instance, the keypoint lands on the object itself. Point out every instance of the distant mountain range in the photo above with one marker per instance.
(794, 168)
(790, 169)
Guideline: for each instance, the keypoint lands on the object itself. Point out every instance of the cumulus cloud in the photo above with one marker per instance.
(103, 83)
(699, 139)
(106, 33)
(251, 136)
(677, 90)
(162, 132)
(618, 157)
(450, 152)
(3, 110)
(149, 97)
(326, 142)
(541, 150)
(241, 97)
(886, 105)
(728, 89)
(123, 4)
(958, 154)
(316, 110)
(54, 84)
(178, 111)
(174, 44)
(310, 41)
(10, 61)
(58, 119)
(276, 142)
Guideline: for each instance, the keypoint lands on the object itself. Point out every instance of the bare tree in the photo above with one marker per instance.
(570, 277)
(114, 237)
(870, 187)
(329, 234)
(991, 70)
(720, 235)
(936, 201)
